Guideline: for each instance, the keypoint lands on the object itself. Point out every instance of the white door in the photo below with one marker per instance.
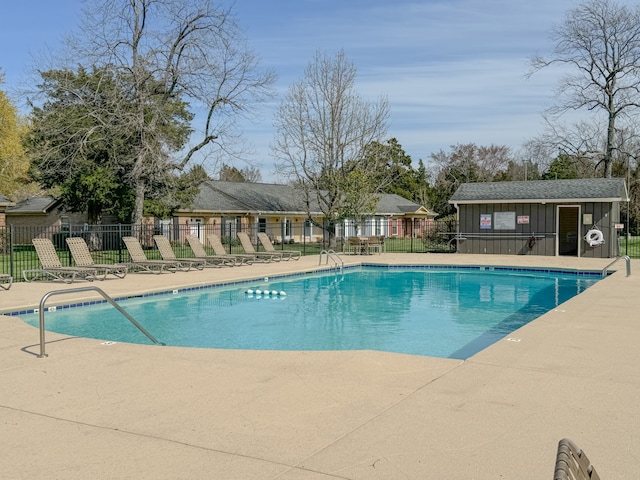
(196, 228)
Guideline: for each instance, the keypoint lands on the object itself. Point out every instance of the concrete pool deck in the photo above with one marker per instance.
(93, 410)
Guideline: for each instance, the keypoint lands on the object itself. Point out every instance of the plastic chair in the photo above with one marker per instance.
(572, 463)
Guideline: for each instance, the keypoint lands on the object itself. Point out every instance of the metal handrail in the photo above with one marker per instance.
(334, 256)
(87, 289)
(493, 236)
(626, 258)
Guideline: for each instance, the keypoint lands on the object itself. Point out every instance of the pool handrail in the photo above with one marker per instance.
(86, 289)
(331, 254)
(626, 258)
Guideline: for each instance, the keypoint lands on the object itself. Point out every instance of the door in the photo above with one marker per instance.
(165, 228)
(195, 228)
(568, 230)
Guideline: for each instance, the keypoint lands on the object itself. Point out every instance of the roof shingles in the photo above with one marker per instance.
(247, 197)
(586, 189)
(33, 205)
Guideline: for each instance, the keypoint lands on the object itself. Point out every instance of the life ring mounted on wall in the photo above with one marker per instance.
(594, 237)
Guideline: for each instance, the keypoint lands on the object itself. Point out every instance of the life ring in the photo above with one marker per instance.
(594, 237)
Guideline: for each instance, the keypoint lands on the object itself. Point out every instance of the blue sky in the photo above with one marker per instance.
(453, 70)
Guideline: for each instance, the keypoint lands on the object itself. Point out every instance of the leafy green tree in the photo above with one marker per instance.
(563, 167)
(396, 173)
(165, 56)
(78, 144)
(391, 166)
(232, 174)
(14, 165)
(180, 193)
(422, 189)
(358, 203)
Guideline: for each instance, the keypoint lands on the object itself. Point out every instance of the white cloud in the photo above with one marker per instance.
(453, 70)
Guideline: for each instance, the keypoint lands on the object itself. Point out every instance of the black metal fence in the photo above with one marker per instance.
(17, 252)
(629, 246)
(105, 241)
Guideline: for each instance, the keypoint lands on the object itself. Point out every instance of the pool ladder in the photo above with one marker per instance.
(621, 257)
(87, 289)
(331, 254)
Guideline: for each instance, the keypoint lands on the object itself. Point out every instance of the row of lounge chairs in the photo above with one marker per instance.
(86, 269)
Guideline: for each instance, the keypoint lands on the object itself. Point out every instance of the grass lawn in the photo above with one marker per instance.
(630, 246)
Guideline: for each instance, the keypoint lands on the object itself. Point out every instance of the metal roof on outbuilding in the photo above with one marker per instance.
(575, 190)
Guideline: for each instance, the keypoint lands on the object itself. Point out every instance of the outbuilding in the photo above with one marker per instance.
(4, 203)
(578, 217)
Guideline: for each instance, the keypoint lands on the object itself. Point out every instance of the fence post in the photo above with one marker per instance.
(282, 232)
(11, 257)
(413, 234)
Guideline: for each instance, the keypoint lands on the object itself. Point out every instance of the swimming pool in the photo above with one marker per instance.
(437, 311)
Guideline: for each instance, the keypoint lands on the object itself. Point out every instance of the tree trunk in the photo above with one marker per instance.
(611, 131)
(139, 203)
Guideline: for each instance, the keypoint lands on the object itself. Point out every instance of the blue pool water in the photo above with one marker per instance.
(444, 312)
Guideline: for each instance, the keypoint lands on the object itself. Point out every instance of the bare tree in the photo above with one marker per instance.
(323, 130)
(465, 163)
(582, 143)
(169, 51)
(599, 41)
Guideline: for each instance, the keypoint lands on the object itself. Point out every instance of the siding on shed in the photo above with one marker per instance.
(542, 223)
(605, 215)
